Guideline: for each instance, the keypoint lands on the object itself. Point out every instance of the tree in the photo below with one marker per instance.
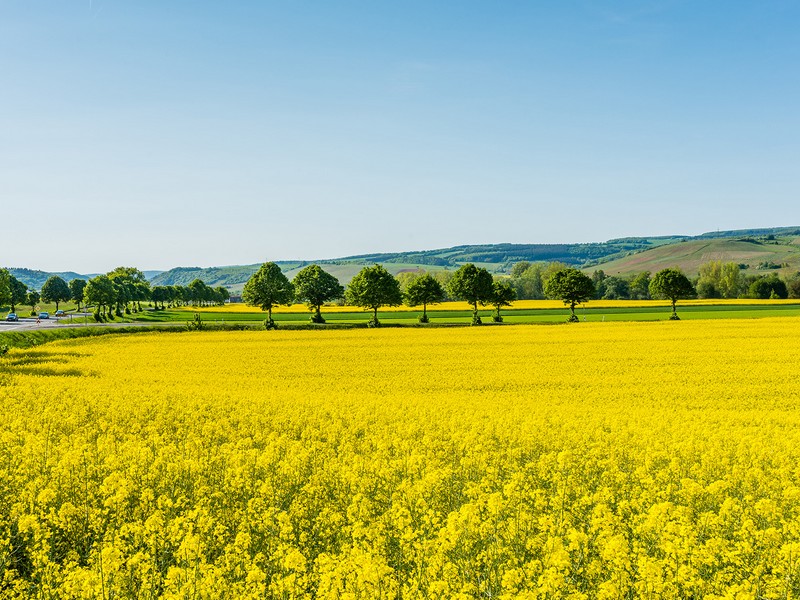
(19, 291)
(719, 280)
(76, 289)
(315, 286)
(32, 299)
(502, 295)
(793, 286)
(672, 285)
(768, 287)
(472, 284)
(570, 286)
(372, 288)
(267, 288)
(5, 287)
(55, 290)
(100, 292)
(639, 288)
(616, 288)
(222, 294)
(526, 278)
(131, 286)
(424, 290)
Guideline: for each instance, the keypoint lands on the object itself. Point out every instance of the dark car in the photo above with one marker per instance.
(12, 317)
(44, 315)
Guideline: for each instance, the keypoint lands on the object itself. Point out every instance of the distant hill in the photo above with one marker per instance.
(497, 258)
(756, 254)
(752, 247)
(35, 279)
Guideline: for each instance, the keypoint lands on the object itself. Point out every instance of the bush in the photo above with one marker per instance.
(196, 324)
(270, 324)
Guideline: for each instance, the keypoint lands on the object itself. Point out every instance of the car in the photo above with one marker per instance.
(12, 317)
(44, 315)
(60, 313)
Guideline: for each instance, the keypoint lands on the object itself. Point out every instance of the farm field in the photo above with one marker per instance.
(522, 311)
(600, 460)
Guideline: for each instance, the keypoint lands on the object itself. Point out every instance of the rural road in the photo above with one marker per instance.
(79, 320)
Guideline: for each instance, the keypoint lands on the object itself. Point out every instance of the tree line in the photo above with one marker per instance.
(716, 279)
(112, 295)
(122, 290)
(374, 288)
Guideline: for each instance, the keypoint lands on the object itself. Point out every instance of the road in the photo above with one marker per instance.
(73, 320)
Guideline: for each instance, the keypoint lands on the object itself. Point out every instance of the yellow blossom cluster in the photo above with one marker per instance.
(598, 460)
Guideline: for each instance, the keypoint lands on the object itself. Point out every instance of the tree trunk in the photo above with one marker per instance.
(424, 311)
(318, 313)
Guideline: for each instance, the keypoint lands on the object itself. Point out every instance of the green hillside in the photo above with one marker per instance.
(35, 279)
(759, 254)
(773, 247)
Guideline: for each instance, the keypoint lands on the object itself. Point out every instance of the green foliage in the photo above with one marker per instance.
(5, 287)
(472, 284)
(770, 286)
(672, 285)
(32, 299)
(503, 294)
(268, 288)
(372, 288)
(55, 290)
(76, 289)
(719, 280)
(639, 288)
(19, 291)
(4, 349)
(527, 280)
(315, 287)
(570, 286)
(100, 292)
(196, 324)
(424, 290)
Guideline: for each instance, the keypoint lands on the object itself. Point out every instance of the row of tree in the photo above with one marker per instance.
(374, 287)
(118, 292)
(715, 280)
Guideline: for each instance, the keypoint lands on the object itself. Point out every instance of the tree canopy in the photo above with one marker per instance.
(503, 294)
(423, 290)
(76, 289)
(472, 284)
(672, 285)
(55, 290)
(372, 288)
(572, 287)
(315, 286)
(268, 288)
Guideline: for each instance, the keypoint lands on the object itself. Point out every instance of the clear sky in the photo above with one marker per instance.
(161, 133)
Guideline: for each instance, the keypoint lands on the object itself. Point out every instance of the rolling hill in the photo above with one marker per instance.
(756, 254)
(775, 248)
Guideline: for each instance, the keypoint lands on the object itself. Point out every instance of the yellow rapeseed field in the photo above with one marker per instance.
(598, 460)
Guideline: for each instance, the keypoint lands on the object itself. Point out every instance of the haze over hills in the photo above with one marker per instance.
(775, 248)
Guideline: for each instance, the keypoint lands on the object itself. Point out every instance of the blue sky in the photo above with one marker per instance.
(166, 133)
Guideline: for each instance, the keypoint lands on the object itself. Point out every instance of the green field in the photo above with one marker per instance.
(510, 315)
